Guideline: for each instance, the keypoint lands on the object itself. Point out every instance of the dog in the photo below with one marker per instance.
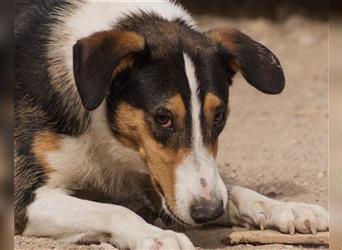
(120, 103)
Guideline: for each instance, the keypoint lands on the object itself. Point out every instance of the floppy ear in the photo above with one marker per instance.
(98, 58)
(258, 65)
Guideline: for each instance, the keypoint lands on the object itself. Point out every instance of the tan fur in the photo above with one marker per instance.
(43, 144)
(177, 108)
(125, 63)
(211, 102)
(121, 42)
(226, 37)
(161, 161)
(213, 148)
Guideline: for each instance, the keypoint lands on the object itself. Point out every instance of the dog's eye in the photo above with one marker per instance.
(219, 118)
(164, 121)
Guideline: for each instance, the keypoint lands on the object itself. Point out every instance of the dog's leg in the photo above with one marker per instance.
(251, 209)
(56, 214)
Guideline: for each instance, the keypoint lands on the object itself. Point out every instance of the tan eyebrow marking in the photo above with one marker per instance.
(177, 108)
(211, 102)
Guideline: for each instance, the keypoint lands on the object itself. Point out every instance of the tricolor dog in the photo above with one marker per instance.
(117, 100)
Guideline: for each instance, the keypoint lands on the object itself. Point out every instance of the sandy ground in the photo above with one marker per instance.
(277, 145)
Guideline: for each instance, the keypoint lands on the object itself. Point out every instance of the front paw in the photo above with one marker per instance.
(165, 239)
(289, 217)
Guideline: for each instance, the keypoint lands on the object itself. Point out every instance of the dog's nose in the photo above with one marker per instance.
(203, 210)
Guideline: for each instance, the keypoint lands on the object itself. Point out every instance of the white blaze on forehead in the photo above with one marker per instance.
(197, 141)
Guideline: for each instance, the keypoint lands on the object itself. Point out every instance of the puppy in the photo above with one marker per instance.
(119, 99)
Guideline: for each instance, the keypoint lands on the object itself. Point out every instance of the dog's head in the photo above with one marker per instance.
(166, 89)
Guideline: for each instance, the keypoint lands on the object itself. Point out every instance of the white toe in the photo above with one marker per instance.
(289, 217)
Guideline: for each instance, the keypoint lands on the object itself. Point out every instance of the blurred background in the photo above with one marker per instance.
(271, 9)
(335, 175)
(6, 140)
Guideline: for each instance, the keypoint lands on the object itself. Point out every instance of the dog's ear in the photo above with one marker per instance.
(258, 65)
(97, 59)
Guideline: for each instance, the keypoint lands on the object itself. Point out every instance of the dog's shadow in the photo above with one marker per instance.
(280, 189)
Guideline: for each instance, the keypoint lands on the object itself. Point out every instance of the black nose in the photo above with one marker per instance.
(202, 210)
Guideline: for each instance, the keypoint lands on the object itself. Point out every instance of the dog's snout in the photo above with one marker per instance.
(203, 210)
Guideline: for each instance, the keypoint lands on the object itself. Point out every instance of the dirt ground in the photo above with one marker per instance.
(277, 145)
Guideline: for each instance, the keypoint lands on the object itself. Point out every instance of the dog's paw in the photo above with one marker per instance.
(289, 217)
(165, 239)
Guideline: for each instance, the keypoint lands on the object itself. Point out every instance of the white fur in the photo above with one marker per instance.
(195, 104)
(199, 163)
(57, 214)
